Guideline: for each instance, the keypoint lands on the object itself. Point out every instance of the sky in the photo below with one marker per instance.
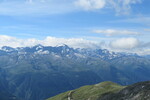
(117, 25)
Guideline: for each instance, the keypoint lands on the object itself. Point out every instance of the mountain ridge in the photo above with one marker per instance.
(40, 49)
(36, 73)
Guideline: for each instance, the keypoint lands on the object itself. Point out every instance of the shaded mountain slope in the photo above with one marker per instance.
(7, 96)
(38, 72)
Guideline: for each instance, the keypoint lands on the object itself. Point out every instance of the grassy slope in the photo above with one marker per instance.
(91, 92)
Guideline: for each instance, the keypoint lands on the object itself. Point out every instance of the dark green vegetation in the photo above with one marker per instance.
(108, 91)
(36, 73)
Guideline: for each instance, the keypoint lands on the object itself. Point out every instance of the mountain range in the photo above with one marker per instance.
(39, 72)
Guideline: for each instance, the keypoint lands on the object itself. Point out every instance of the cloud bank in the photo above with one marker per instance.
(125, 43)
(130, 45)
(48, 41)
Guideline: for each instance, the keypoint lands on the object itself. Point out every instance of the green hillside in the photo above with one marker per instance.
(89, 92)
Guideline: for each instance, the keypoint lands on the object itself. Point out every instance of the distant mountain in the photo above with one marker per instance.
(38, 72)
(107, 91)
(64, 50)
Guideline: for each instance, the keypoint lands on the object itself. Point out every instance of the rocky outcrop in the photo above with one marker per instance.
(138, 91)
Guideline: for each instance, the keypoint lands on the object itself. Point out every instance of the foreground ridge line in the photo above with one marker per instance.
(70, 95)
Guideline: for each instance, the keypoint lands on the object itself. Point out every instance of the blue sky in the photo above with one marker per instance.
(101, 21)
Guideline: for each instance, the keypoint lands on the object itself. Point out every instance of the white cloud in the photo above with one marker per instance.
(120, 6)
(15, 42)
(148, 30)
(72, 42)
(143, 51)
(48, 41)
(112, 32)
(131, 45)
(123, 6)
(125, 43)
(91, 4)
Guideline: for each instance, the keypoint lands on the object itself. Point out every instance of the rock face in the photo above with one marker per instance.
(138, 91)
(108, 91)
